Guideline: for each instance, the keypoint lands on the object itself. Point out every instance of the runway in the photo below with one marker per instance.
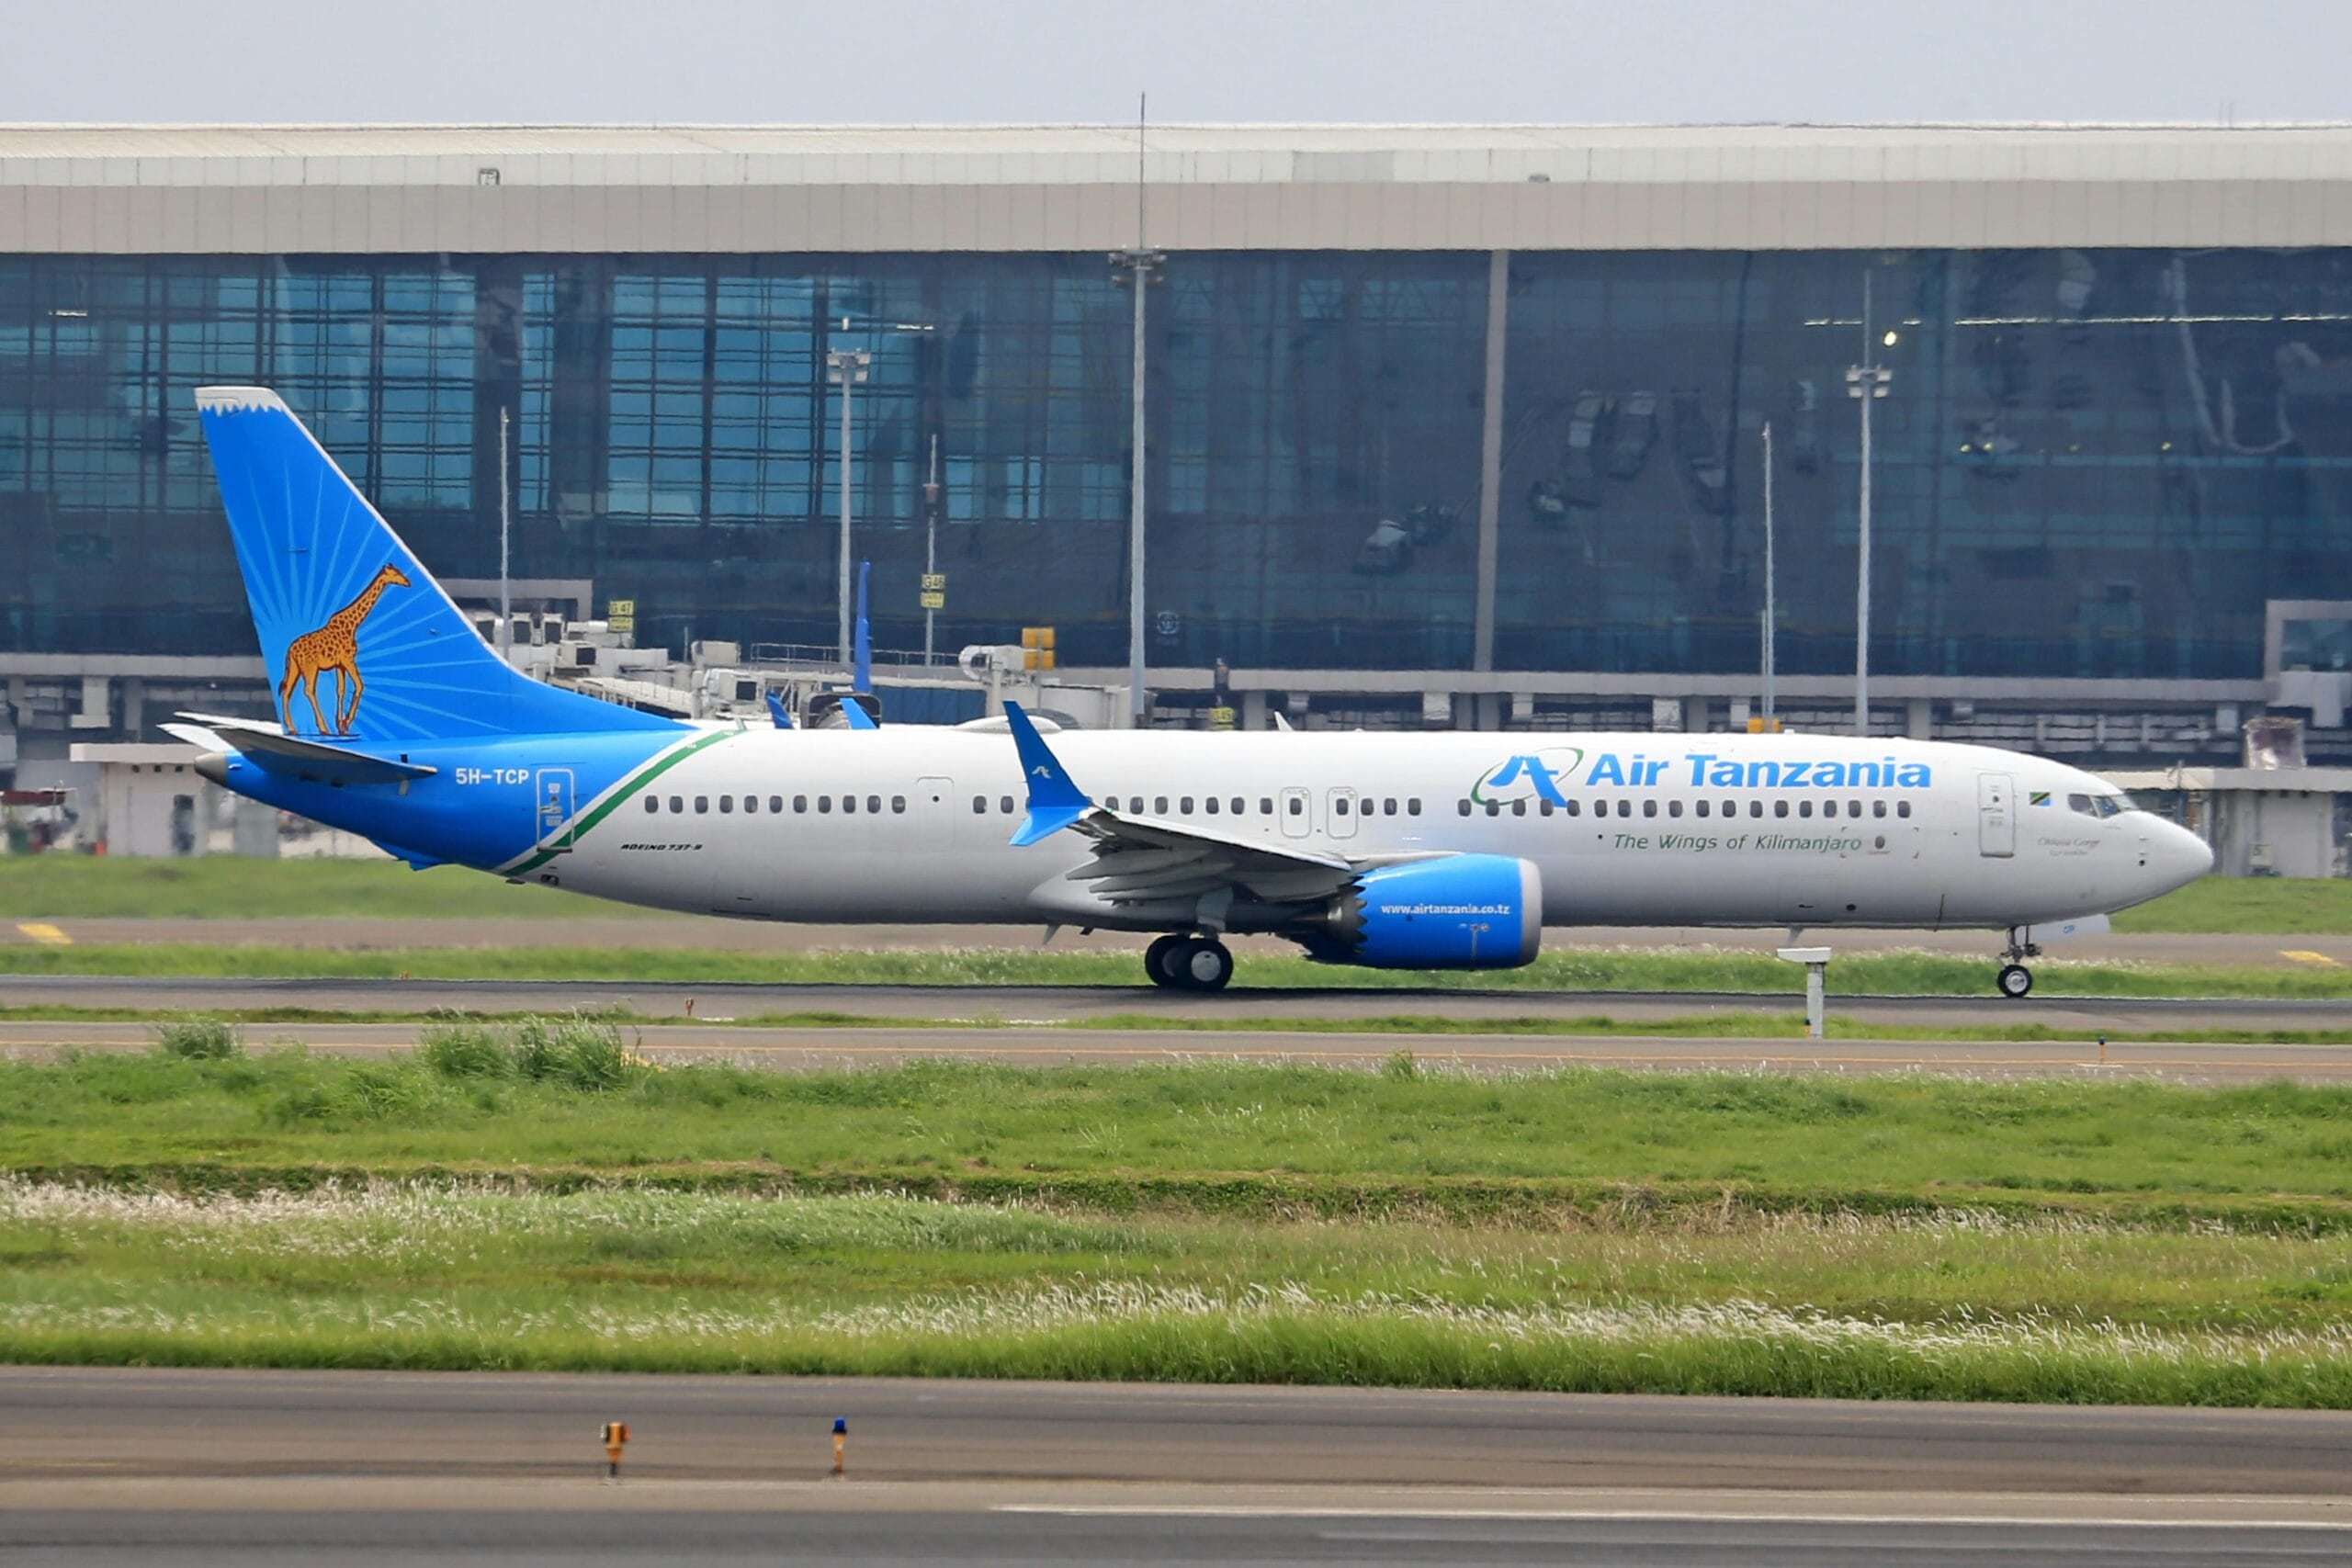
(157, 1467)
(836, 1046)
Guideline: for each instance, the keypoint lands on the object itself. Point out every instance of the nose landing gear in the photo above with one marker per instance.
(1182, 961)
(2015, 980)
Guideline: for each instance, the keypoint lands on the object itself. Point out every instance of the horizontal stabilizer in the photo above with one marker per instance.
(269, 747)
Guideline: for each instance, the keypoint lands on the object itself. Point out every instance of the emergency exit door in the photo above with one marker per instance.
(1997, 821)
(551, 792)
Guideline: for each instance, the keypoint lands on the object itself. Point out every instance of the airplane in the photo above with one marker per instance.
(1406, 852)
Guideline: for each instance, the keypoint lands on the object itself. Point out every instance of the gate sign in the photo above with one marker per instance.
(620, 615)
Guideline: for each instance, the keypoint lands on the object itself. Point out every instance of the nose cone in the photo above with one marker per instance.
(213, 765)
(2177, 857)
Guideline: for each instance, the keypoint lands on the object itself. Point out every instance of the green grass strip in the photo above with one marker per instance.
(1600, 969)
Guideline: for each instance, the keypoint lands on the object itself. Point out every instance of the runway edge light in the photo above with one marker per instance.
(615, 1438)
(840, 1441)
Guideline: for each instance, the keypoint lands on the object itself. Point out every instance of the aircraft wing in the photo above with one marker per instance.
(1142, 860)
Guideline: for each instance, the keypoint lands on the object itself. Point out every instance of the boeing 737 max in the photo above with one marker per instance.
(1450, 851)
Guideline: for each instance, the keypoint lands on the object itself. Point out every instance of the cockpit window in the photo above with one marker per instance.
(2114, 804)
(2081, 803)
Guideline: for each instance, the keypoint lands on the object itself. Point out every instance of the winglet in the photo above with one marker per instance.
(854, 714)
(1053, 801)
(861, 646)
(777, 712)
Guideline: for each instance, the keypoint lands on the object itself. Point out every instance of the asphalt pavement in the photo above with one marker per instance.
(188, 1467)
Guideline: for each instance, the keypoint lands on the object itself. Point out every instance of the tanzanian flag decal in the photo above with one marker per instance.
(2039, 797)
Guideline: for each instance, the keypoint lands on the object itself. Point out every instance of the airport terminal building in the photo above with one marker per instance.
(1445, 425)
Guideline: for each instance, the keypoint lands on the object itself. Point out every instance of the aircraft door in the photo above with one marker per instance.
(1996, 822)
(551, 801)
(1294, 817)
(1339, 813)
(935, 822)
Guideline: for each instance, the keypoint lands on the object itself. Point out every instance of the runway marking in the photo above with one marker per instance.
(43, 933)
(1569, 1514)
(2304, 955)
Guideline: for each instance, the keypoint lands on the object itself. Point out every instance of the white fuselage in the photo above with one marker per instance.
(1642, 829)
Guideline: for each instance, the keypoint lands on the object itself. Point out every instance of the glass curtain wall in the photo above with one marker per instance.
(2092, 463)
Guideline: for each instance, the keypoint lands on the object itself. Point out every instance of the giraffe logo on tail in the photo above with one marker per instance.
(334, 650)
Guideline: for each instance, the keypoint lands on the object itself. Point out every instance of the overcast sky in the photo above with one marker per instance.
(1030, 60)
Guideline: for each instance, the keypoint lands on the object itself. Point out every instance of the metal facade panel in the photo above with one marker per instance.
(959, 217)
(77, 219)
(1059, 218)
(2037, 217)
(1261, 216)
(859, 217)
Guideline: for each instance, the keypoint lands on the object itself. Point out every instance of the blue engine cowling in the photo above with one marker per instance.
(1460, 912)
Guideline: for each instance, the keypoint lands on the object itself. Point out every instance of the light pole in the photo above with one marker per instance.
(930, 550)
(1865, 383)
(1771, 615)
(1135, 272)
(845, 368)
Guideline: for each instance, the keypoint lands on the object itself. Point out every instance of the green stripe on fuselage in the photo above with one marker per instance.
(578, 826)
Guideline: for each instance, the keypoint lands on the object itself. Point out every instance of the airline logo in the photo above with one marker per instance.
(1535, 776)
(1539, 775)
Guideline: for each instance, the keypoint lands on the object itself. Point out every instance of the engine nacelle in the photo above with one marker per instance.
(1458, 912)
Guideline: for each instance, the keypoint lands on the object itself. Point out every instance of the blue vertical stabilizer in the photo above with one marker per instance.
(359, 641)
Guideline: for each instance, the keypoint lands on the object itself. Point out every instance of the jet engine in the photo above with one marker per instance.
(1455, 912)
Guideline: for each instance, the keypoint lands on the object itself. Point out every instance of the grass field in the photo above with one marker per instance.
(85, 887)
(538, 1200)
(1595, 969)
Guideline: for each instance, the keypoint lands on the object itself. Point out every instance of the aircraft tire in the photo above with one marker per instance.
(2015, 980)
(1203, 963)
(1155, 961)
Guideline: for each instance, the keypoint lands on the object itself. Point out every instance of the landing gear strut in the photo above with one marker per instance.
(1187, 962)
(2015, 979)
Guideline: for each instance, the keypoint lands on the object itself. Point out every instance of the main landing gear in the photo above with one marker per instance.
(2015, 979)
(1183, 961)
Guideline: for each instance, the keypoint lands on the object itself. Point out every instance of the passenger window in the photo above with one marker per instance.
(1494, 809)
(1804, 807)
(702, 804)
(1853, 809)
(824, 806)
(1649, 806)
(652, 803)
(1004, 803)
(1160, 806)
(676, 805)
(1573, 808)
(1544, 807)
(1412, 805)
(1211, 805)
(1878, 808)
(898, 805)
(1674, 809)
(848, 804)
(1702, 807)
(1756, 808)
(727, 805)
(1465, 807)
(980, 805)
(1828, 808)
(1779, 808)
(1298, 806)
(1519, 809)
(1240, 806)
(1184, 805)
(1731, 808)
(1339, 805)
(751, 804)
(873, 804)
(1903, 809)
(1625, 808)
(800, 803)
(1265, 805)
(775, 804)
